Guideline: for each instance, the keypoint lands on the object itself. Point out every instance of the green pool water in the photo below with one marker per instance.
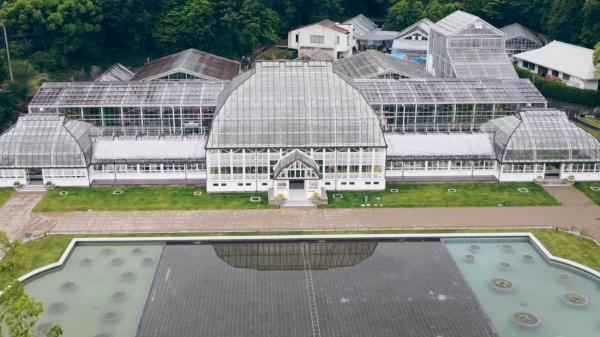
(538, 287)
(100, 292)
(102, 289)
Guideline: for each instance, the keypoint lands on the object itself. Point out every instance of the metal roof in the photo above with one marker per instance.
(455, 21)
(117, 72)
(294, 104)
(542, 135)
(371, 63)
(316, 54)
(47, 141)
(439, 146)
(423, 25)
(449, 91)
(564, 57)
(517, 30)
(192, 62)
(147, 149)
(361, 25)
(380, 35)
(115, 94)
(478, 63)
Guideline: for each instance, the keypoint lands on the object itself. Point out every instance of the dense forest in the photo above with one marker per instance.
(51, 38)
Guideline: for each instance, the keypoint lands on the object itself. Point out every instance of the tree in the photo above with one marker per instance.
(564, 20)
(596, 59)
(128, 23)
(261, 24)
(63, 27)
(590, 29)
(436, 10)
(403, 14)
(18, 311)
(191, 25)
(326, 9)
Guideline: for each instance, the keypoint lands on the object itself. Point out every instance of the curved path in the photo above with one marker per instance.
(576, 211)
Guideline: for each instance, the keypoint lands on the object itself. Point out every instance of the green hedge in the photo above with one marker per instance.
(561, 92)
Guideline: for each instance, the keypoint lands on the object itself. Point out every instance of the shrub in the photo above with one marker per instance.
(561, 92)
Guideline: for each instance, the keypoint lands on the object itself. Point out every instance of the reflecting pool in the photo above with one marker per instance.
(100, 292)
(525, 294)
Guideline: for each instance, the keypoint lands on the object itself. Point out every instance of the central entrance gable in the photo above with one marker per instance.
(296, 165)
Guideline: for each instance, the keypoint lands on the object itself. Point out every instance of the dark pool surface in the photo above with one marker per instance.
(352, 288)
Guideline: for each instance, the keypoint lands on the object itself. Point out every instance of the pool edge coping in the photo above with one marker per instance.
(528, 235)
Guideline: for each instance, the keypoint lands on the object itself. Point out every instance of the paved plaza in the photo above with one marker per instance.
(576, 210)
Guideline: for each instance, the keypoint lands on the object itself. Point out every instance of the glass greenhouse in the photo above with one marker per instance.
(464, 46)
(190, 65)
(133, 108)
(447, 105)
(540, 136)
(284, 107)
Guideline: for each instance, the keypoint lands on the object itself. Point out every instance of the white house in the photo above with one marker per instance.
(331, 37)
(562, 62)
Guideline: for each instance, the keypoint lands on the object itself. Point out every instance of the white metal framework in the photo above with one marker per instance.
(464, 46)
(446, 105)
(133, 108)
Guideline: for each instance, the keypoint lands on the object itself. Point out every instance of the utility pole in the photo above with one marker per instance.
(7, 52)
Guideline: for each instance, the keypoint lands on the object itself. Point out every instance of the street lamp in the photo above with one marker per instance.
(7, 52)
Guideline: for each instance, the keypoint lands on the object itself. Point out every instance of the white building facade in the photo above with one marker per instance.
(562, 62)
(333, 38)
(295, 125)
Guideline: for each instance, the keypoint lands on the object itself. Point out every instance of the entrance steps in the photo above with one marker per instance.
(33, 188)
(299, 203)
(555, 182)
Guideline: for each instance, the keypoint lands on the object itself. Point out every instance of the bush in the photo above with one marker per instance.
(561, 92)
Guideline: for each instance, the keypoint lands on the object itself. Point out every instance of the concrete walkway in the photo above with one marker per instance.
(576, 211)
(17, 218)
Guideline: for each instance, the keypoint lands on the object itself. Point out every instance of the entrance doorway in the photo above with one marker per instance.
(35, 176)
(296, 184)
(552, 170)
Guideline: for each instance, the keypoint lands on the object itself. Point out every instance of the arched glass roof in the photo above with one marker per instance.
(541, 136)
(46, 141)
(293, 104)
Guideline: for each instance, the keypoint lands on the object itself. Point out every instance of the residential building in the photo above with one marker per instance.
(328, 36)
(562, 62)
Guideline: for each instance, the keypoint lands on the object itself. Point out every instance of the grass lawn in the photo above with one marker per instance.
(594, 121)
(44, 251)
(437, 195)
(593, 132)
(5, 194)
(586, 189)
(145, 199)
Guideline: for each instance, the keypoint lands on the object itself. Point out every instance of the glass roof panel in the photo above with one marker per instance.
(544, 135)
(294, 104)
(45, 140)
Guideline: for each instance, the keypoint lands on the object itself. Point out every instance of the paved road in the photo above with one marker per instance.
(576, 210)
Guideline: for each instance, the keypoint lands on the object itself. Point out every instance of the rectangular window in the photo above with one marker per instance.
(554, 73)
(297, 37)
(317, 39)
(566, 77)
